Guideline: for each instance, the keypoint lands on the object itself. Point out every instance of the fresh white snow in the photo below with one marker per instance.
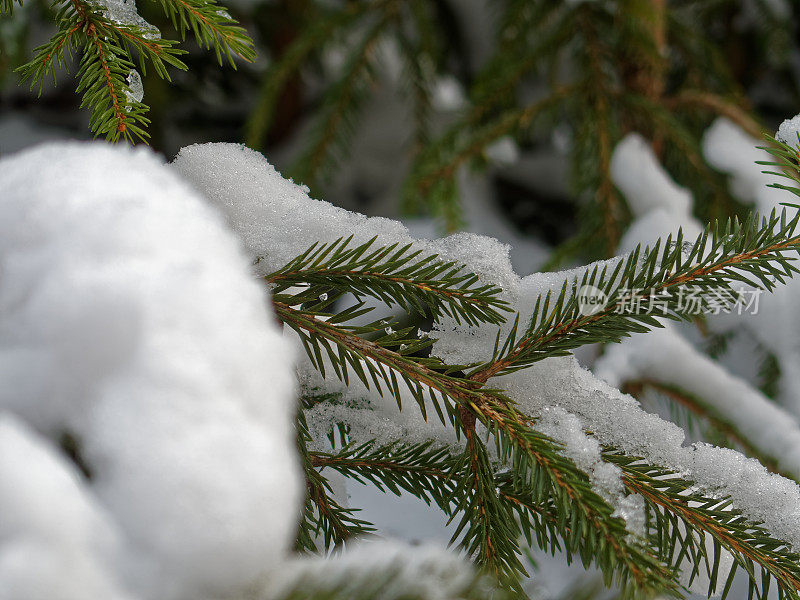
(128, 319)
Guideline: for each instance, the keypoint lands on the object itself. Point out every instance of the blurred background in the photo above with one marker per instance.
(498, 117)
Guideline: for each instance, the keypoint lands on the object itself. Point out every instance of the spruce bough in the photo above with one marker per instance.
(506, 485)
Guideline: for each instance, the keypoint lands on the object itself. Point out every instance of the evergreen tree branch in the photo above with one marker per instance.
(670, 497)
(346, 350)
(420, 65)
(395, 275)
(673, 130)
(509, 121)
(159, 52)
(212, 26)
(599, 130)
(535, 458)
(322, 515)
(787, 160)
(432, 180)
(100, 56)
(7, 6)
(536, 465)
(752, 252)
(490, 532)
(749, 253)
(421, 469)
(104, 66)
(517, 56)
(718, 105)
(106, 50)
(714, 417)
(48, 55)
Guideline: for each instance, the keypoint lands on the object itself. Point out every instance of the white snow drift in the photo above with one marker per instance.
(129, 321)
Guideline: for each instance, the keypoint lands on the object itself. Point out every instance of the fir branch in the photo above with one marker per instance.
(769, 375)
(106, 48)
(420, 58)
(104, 66)
(714, 417)
(670, 497)
(537, 466)
(751, 253)
(786, 158)
(53, 52)
(475, 145)
(101, 76)
(385, 367)
(517, 56)
(421, 469)
(396, 275)
(673, 130)
(535, 458)
(159, 52)
(719, 105)
(7, 6)
(490, 532)
(212, 26)
(322, 516)
(707, 66)
(597, 129)
(433, 177)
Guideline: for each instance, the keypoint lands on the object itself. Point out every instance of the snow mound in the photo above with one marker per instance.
(129, 323)
(789, 131)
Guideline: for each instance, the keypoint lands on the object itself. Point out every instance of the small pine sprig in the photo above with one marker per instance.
(487, 529)
(332, 132)
(323, 519)
(786, 161)
(395, 275)
(106, 49)
(7, 6)
(212, 26)
(758, 252)
(385, 362)
(432, 180)
(311, 38)
(671, 499)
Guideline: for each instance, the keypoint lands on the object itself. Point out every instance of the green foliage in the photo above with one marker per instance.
(597, 71)
(594, 70)
(106, 50)
(531, 493)
(758, 252)
(527, 493)
(396, 276)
